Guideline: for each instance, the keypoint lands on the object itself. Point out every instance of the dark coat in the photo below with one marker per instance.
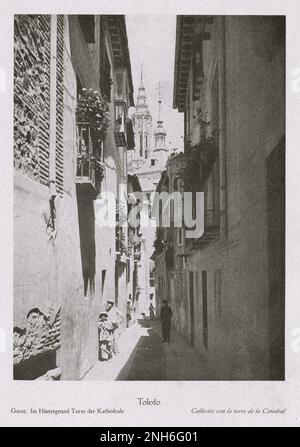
(166, 313)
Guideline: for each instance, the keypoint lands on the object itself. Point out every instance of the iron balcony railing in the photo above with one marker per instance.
(211, 219)
(211, 231)
(89, 167)
(86, 160)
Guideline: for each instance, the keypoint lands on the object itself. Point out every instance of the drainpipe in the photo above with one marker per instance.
(52, 127)
(222, 135)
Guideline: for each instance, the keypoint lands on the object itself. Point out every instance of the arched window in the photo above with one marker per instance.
(141, 144)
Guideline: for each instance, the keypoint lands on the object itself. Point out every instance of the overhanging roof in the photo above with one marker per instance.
(185, 27)
(118, 36)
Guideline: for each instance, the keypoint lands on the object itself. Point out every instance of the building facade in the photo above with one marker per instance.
(147, 161)
(65, 259)
(227, 286)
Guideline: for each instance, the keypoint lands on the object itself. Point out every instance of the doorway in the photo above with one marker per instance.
(204, 308)
(192, 308)
(276, 258)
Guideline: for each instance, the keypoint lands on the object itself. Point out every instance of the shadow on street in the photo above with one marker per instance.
(146, 361)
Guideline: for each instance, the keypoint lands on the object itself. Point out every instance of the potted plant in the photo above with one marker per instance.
(93, 109)
(203, 155)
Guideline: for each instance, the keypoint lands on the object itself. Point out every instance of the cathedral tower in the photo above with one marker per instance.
(142, 122)
(160, 151)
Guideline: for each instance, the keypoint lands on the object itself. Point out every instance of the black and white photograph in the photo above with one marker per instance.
(149, 197)
(149, 231)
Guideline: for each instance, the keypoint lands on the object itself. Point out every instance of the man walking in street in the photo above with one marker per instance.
(116, 317)
(165, 316)
(152, 312)
(128, 312)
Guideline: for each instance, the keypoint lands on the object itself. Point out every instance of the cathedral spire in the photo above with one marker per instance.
(159, 102)
(160, 130)
(141, 103)
(160, 134)
(142, 85)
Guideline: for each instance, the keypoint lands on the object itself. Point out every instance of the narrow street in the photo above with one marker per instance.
(148, 185)
(143, 356)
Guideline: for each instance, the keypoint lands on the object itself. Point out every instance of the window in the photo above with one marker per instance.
(103, 275)
(187, 116)
(79, 86)
(180, 236)
(212, 186)
(152, 162)
(151, 276)
(127, 270)
(87, 25)
(141, 145)
(197, 67)
(105, 68)
(151, 296)
(105, 77)
(149, 206)
(130, 135)
(119, 86)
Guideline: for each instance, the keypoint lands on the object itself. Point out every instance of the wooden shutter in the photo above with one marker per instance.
(59, 158)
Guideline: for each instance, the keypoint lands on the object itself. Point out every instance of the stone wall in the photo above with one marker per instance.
(32, 95)
(47, 264)
(57, 240)
(40, 334)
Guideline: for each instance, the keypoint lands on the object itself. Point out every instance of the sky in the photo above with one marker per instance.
(151, 42)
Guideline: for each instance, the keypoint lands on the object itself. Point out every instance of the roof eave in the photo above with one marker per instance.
(123, 22)
(119, 23)
(177, 59)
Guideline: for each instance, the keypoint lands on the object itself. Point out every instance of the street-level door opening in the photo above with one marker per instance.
(276, 258)
(192, 308)
(204, 308)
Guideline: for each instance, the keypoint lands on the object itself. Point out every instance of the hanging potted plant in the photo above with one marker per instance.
(202, 155)
(94, 110)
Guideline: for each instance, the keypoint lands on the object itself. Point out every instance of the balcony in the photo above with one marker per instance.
(211, 230)
(120, 137)
(169, 257)
(122, 251)
(130, 135)
(89, 168)
(120, 127)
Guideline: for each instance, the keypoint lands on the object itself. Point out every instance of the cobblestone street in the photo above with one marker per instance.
(143, 356)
